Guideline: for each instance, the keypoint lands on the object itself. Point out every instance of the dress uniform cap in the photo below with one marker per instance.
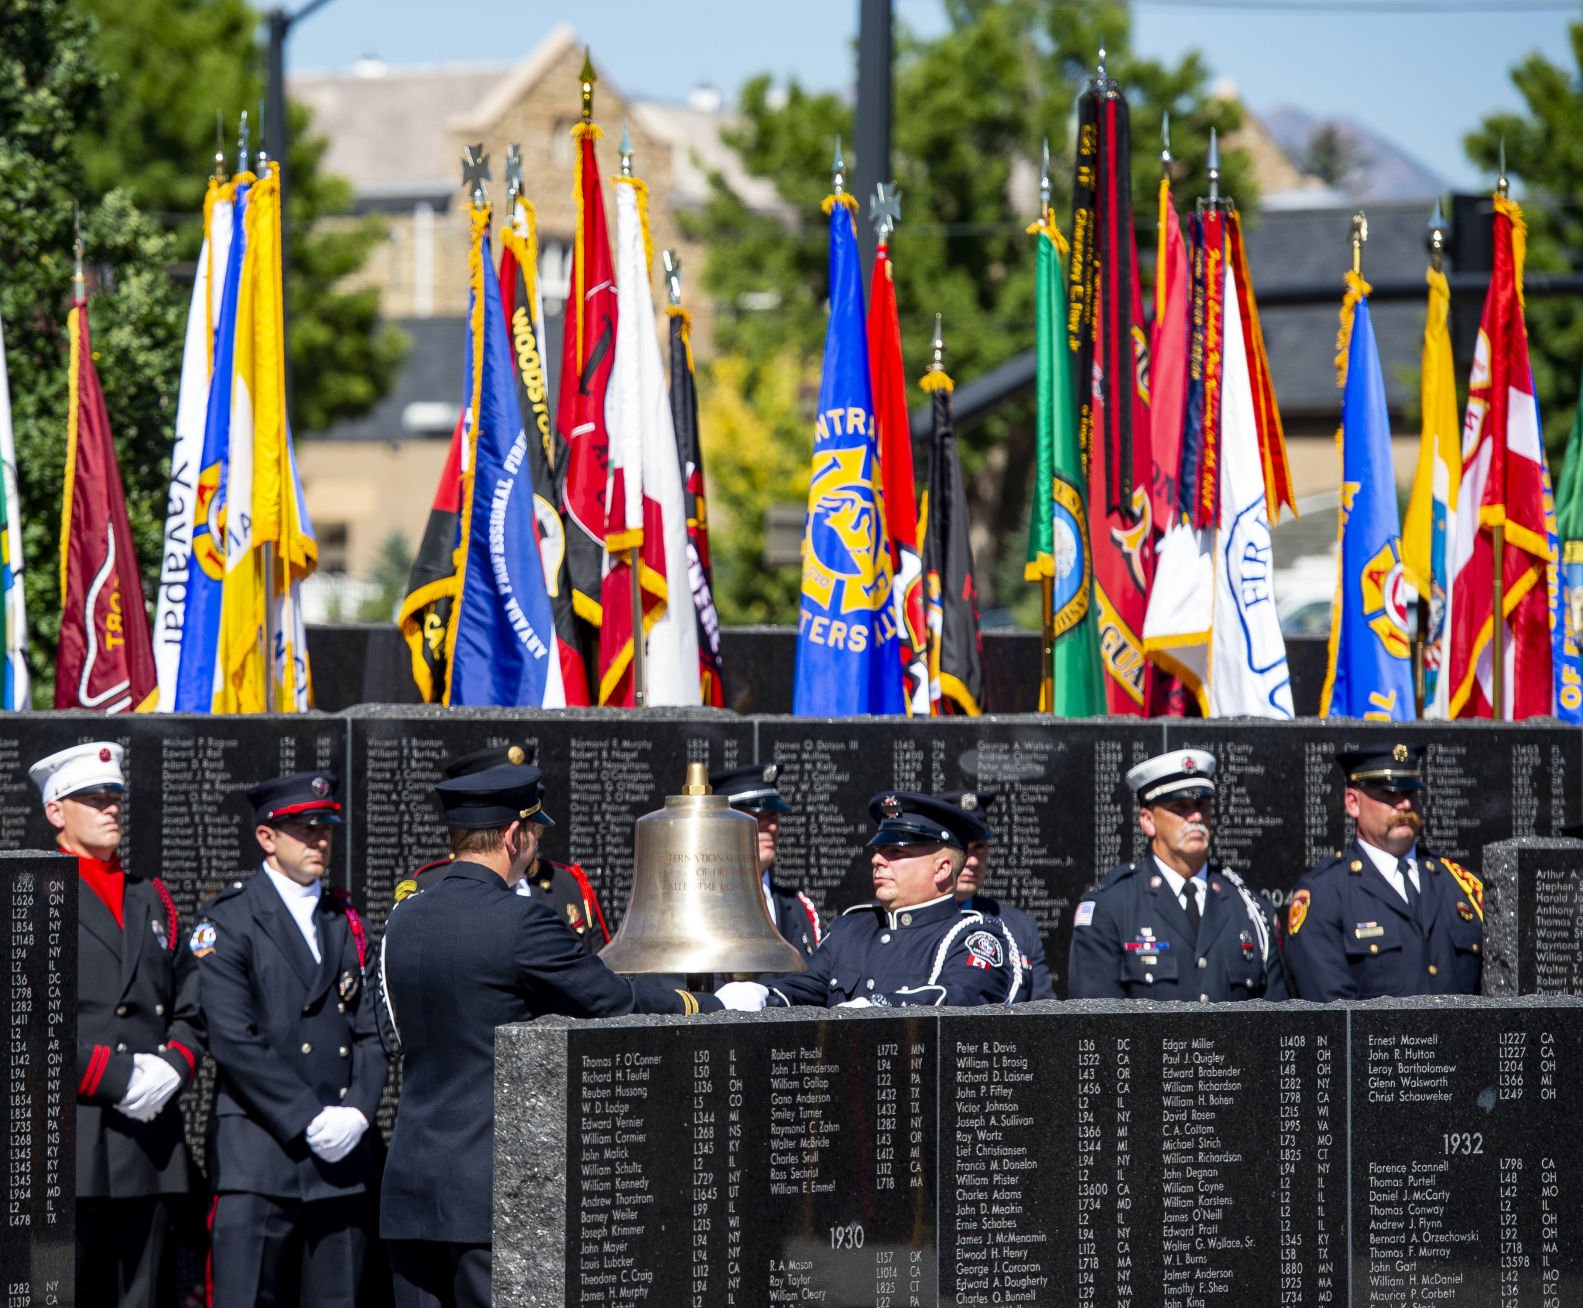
(1183, 774)
(305, 797)
(750, 788)
(495, 797)
(904, 817)
(1390, 767)
(491, 757)
(79, 768)
(975, 806)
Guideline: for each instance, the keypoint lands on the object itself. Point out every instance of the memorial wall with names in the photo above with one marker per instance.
(1126, 1155)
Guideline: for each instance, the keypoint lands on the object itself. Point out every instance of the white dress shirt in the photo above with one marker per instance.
(1177, 882)
(1386, 863)
(300, 902)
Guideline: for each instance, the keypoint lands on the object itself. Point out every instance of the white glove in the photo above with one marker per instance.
(857, 1003)
(334, 1133)
(743, 996)
(153, 1083)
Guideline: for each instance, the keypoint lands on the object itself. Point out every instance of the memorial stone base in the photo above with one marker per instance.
(1402, 1152)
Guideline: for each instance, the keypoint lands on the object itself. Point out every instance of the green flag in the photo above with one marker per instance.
(1058, 550)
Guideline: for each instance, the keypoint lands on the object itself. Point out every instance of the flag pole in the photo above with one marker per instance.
(1437, 246)
(1046, 584)
(267, 633)
(640, 697)
(1498, 572)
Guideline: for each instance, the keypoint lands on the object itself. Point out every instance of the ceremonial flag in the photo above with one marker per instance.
(587, 351)
(270, 546)
(192, 403)
(1370, 671)
(1058, 541)
(435, 580)
(519, 296)
(1569, 557)
(503, 628)
(196, 676)
(1168, 363)
(106, 658)
(956, 647)
(1502, 485)
(13, 607)
(690, 455)
(1566, 651)
(1105, 334)
(646, 519)
(847, 659)
(895, 461)
(1436, 482)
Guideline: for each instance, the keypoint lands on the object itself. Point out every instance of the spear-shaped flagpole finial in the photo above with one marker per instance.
(1214, 167)
(263, 141)
(475, 172)
(1360, 234)
(513, 173)
(219, 146)
(838, 169)
(673, 276)
(1437, 237)
(1503, 186)
(937, 348)
(241, 144)
(1165, 142)
(78, 284)
(588, 78)
(626, 149)
(1044, 183)
(1101, 75)
(884, 211)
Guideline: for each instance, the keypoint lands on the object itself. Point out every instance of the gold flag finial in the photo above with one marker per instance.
(588, 77)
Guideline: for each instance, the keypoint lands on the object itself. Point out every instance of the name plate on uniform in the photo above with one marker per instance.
(1100, 1153)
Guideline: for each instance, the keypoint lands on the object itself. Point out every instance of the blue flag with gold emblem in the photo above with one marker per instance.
(1370, 673)
(847, 655)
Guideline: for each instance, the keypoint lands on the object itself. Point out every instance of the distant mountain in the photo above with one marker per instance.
(1383, 170)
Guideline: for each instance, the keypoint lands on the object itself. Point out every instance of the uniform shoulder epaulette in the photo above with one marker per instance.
(1336, 858)
(230, 890)
(1114, 877)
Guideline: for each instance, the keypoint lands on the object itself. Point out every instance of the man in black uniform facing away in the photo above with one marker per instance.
(1036, 980)
(139, 1036)
(1172, 925)
(292, 1031)
(751, 789)
(1386, 916)
(459, 960)
(565, 886)
(913, 944)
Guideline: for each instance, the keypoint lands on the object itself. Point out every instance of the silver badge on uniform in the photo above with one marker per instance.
(157, 925)
(348, 984)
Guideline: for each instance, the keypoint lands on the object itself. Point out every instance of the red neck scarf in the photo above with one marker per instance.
(106, 880)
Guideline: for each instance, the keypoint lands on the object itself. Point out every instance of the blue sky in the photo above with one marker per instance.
(1422, 79)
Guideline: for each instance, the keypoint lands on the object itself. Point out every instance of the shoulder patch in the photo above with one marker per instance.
(984, 950)
(1297, 912)
(1472, 887)
(1084, 915)
(204, 937)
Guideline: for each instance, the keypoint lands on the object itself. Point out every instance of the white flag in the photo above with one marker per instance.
(15, 654)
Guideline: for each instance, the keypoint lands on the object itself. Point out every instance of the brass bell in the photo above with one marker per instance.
(696, 906)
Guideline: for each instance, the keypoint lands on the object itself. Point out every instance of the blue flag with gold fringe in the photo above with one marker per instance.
(1370, 673)
(847, 656)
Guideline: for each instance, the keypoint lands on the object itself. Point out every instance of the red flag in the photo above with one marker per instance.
(1168, 363)
(587, 352)
(895, 461)
(106, 657)
(1503, 472)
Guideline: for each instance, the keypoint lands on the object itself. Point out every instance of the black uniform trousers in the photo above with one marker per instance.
(273, 1252)
(121, 1251)
(430, 1274)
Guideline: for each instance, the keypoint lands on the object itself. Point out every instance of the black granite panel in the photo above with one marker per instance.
(38, 934)
(1063, 817)
(1533, 916)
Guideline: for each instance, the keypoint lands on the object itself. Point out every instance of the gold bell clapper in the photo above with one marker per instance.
(697, 907)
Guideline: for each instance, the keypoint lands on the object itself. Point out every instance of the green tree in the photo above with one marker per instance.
(1334, 155)
(154, 135)
(1544, 158)
(49, 88)
(971, 108)
(391, 571)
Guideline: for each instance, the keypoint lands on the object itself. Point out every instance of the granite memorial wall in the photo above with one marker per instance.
(1120, 1154)
(38, 930)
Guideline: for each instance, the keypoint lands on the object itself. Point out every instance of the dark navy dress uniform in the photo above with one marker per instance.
(1351, 936)
(1036, 980)
(753, 788)
(934, 953)
(290, 1036)
(1131, 939)
(457, 961)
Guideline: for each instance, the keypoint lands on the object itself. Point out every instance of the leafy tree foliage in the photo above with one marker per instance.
(971, 108)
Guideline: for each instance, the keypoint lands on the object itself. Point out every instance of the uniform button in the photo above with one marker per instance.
(120, 1047)
(1374, 949)
(885, 939)
(306, 1047)
(159, 1009)
(871, 983)
(344, 1051)
(307, 1008)
(1148, 978)
(120, 1010)
(1203, 962)
(906, 919)
(343, 1092)
(1203, 999)
(1475, 949)
(1249, 983)
(1433, 970)
(340, 1008)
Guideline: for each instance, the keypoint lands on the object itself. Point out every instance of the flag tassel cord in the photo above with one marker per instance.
(640, 696)
(1498, 661)
(1047, 679)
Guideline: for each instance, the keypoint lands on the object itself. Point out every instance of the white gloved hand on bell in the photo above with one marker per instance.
(334, 1133)
(743, 996)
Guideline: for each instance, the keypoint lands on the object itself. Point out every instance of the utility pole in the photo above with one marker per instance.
(874, 55)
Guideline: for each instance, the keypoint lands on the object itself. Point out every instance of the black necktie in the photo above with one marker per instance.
(1405, 868)
(1190, 891)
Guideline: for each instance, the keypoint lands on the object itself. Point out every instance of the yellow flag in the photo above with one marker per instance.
(1439, 472)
